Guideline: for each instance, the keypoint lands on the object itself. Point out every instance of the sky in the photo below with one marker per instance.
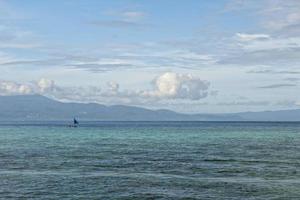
(192, 56)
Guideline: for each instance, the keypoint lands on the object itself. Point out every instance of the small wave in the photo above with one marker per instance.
(251, 161)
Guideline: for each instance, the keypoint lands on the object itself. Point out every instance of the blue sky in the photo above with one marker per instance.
(189, 56)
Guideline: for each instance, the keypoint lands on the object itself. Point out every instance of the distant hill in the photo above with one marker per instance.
(40, 108)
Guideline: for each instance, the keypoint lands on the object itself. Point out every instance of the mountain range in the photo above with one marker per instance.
(41, 108)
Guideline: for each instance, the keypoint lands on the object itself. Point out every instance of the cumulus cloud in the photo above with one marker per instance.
(113, 87)
(168, 86)
(178, 86)
(12, 88)
(43, 86)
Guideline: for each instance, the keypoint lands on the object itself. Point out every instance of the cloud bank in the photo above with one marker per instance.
(43, 86)
(169, 85)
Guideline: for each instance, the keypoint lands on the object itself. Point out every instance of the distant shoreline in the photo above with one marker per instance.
(95, 122)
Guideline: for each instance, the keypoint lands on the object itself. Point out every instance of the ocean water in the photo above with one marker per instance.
(150, 160)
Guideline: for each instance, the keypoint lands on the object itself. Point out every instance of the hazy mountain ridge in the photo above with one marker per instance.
(40, 108)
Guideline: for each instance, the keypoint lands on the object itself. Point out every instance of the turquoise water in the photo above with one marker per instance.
(150, 160)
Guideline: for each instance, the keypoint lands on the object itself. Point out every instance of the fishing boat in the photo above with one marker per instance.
(75, 123)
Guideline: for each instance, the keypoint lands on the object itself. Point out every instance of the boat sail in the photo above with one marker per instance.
(75, 123)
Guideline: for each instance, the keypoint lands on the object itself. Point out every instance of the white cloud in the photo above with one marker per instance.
(243, 37)
(167, 86)
(178, 86)
(14, 38)
(122, 19)
(12, 88)
(125, 14)
(282, 15)
(132, 15)
(4, 58)
(113, 87)
(273, 44)
(275, 50)
(43, 86)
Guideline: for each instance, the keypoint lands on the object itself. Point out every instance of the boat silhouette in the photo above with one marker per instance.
(75, 123)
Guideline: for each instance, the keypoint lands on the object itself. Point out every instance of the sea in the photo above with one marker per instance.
(150, 160)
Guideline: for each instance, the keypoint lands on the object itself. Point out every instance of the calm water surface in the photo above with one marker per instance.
(150, 160)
